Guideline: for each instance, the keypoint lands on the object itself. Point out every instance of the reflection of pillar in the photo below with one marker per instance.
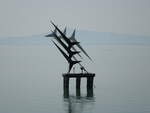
(66, 86)
(90, 86)
(90, 92)
(78, 82)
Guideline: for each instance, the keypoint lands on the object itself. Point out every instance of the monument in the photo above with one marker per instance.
(69, 45)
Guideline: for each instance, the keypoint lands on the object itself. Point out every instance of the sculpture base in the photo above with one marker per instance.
(78, 76)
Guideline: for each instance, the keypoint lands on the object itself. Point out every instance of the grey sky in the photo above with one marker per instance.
(28, 17)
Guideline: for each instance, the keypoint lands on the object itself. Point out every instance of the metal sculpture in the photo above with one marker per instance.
(68, 45)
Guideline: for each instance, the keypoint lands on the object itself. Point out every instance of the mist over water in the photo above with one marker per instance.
(31, 80)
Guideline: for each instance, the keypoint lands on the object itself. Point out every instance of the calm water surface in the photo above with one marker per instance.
(31, 80)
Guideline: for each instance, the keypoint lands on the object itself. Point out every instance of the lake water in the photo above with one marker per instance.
(31, 80)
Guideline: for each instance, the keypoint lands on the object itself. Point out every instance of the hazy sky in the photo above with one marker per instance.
(29, 17)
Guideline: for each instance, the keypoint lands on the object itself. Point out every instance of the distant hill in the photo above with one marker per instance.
(111, 38)
(85, 37)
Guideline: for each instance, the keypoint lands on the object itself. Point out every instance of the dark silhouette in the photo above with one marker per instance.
(73, 35)
(67, 48)
(55, 32)
(71, 62)
(65, 30)
(52, 34)
(80, 64)
(78, 77)
(70, 52)
(72, 38)
(68, 41)
(78, 45)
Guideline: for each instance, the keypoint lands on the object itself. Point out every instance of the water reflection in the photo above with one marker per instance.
(78, 92)
(78, 104)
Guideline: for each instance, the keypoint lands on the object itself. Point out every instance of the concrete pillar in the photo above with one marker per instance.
(78, 83)
(66, 86)
(90, 86)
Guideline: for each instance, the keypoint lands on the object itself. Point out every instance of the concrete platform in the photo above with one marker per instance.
(74, 75)
(78, 76)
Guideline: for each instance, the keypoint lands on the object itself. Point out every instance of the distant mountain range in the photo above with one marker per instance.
(85, 37)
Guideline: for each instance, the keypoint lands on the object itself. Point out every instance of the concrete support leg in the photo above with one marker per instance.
(66, 87)
(89, 82)
(78, 83)
(90, 86)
